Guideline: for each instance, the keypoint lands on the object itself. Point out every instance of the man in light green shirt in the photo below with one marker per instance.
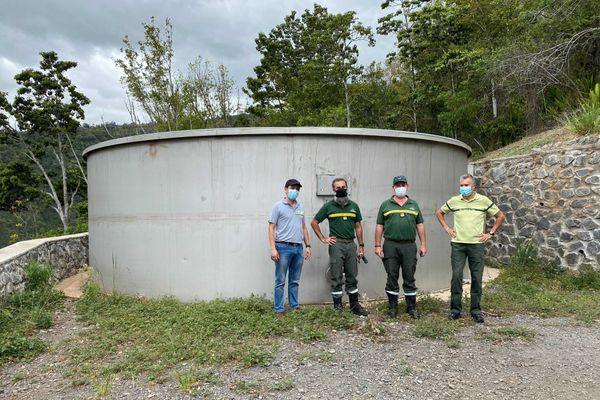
(468, 237)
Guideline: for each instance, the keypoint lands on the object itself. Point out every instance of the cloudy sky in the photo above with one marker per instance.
(91, 33)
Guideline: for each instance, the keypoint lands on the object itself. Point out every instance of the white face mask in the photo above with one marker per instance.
(400, 191)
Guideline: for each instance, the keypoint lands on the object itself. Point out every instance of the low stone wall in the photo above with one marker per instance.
(552, 197)
(66, 253)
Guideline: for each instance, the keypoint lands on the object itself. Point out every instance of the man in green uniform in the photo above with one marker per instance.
(399, 220)
(470, 209)
(344, 220)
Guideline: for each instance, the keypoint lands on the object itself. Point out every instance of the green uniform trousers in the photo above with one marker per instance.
(460, 253)
(396, 256)
(343, 262)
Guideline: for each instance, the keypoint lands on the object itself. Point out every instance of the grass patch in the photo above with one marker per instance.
(319, 356)
(283, 385)
(507, 333)
(532, 286)
(133, 335)
(435, 327)
(23, 312)
(528, 143)
(247, 387)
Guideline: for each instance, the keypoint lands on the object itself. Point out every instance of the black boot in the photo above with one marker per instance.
(355, 306)
(337, 304)
(393, 305)
(411, 306)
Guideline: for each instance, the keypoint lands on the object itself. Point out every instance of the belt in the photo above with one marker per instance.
(401, 241)
(289, 243)
(344, 240)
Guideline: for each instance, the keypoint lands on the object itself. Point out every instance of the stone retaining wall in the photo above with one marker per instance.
(552, 197)
(66, 253)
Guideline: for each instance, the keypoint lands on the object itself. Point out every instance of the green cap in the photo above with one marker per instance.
(400, 178)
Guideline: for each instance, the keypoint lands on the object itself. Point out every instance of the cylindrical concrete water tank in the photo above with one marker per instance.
(185, 213)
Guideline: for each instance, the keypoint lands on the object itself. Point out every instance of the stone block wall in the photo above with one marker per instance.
(552, 197)
(66, 253)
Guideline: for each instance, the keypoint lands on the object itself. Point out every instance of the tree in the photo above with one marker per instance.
(18, 185)
(148, 74)
(47, 109)
(307, 66)
(399, 22)
(199, 98)
(207, 95)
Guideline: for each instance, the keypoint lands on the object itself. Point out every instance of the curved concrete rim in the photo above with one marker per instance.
(221, 132)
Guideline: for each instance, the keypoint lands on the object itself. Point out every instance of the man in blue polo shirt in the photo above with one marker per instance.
(287, 232)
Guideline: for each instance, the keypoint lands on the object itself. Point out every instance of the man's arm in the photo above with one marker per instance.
(359, 237)
(500, 217)
(378, 236)
(441, 217)
(422, 239)
(315, 226)
(274, 253)
(306, 241)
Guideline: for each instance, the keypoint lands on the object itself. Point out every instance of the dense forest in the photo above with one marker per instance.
(487, 72)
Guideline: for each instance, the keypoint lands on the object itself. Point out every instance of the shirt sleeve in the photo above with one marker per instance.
(274, 214)
(322, 213)
(380, 218)
(445, 209)
(420, 219)
(358, 214)
(493, 210)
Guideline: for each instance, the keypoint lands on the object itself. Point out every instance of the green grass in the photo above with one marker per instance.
(435, 327)
(528, 143)
(282, 386)
(22, 313)
(507, 333)
(132, 335)
(319, 356)
(532, 286)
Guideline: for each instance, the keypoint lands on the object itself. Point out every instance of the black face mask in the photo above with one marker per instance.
(341, 193)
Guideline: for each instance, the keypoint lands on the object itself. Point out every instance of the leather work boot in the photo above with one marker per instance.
(411, 306)
(392, 305)
(338, 306)
(477, 318)
(355, 306)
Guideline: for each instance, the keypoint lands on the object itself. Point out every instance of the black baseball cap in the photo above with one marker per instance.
(400, 178)
(292, 182)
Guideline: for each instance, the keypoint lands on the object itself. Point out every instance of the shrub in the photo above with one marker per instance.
(587, 119)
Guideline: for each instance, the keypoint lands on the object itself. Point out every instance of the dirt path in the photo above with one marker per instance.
(561, 362)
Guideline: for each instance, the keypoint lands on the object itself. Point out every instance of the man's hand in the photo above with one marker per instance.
(307, 253)
(379, 251)
(451, 232)
(484, 237)
(329, 240)
(423, 250)
(274, 255)
(360, 252)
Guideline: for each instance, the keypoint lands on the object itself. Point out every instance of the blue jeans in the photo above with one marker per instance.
(290, 263)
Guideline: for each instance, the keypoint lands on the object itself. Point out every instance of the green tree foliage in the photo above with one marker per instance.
(47, 110)
(18, 185)
(486, 71)
(172, 100)
(308, 64)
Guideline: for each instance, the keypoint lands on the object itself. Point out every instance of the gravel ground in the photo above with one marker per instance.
(561, 362)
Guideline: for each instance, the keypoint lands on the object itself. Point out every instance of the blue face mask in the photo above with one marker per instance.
(292, 194)
(465, 191)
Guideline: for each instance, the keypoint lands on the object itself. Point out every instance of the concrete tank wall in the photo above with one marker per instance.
(185, 213)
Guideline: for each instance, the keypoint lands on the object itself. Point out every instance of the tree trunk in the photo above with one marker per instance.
(347, 97)
(494, 100)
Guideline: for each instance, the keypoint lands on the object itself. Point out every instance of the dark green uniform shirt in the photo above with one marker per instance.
(399, 222)
(341, 219)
